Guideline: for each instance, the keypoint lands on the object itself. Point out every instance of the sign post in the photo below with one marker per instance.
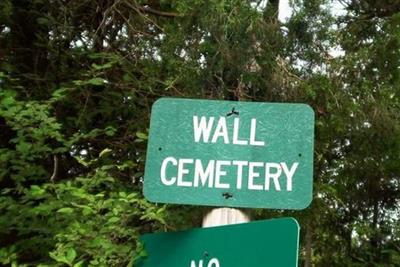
(224, 216)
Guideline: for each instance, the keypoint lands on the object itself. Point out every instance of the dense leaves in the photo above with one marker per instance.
(77, 81)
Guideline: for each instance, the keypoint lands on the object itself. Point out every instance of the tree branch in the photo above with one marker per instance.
(55, 169)
(147, 9)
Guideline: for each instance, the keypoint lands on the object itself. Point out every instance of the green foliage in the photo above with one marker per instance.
(90, 218)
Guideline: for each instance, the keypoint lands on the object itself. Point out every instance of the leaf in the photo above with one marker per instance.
(66, 210)
(114, 219)
(94, 262)
(87, 211)
(126, 165)
(8, 101)
(24, 147)
(71, 255)
(131, 195)
(102, 67)
(141, 135)
(81, 161)
(58, 258)
(37, 191)
(110, 131)
(104, 152)
(96, 81)
(60, 93)
(126, 77)
(43, 21)
(79, 263)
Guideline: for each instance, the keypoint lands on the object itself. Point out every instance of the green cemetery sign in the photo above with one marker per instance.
(225, 153)
(271, 243)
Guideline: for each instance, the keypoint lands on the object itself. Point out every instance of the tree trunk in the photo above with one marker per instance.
(374, 241)
(308, 254)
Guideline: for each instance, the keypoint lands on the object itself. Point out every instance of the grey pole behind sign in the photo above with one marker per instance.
(224, 216)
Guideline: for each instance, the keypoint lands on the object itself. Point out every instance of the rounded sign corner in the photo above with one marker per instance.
(308, 108)
(148, 194)
(294, 222)
(307, 202)
(159, 101)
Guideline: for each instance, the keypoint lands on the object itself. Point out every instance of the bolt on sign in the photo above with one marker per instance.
(272, 243)
(226, 153)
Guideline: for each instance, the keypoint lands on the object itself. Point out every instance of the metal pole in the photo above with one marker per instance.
(224, 216)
